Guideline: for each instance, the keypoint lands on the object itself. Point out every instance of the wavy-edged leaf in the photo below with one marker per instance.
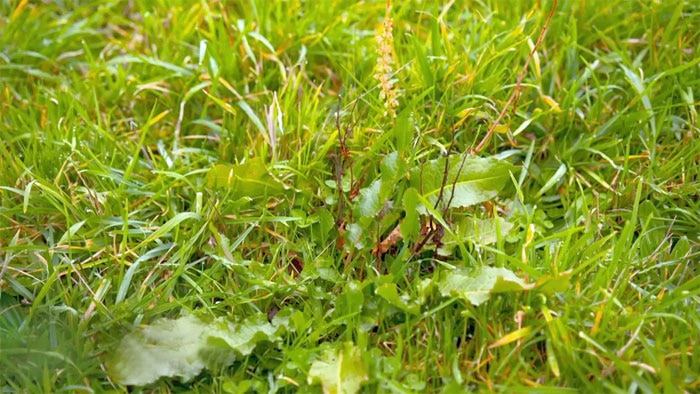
(479, 179)
(242, 337)
(476, 286)
(340, 371)
(167, 348)
(185, 346)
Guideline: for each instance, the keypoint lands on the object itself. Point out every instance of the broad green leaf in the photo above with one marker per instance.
(340, 371)
(355, 235)
(242, 337)
(350, 301)
(478, 284)
(549, 284)
(484, 231)
(322, 229)
(248, 180)
(480, 179)
(183, 347)
(477, 231)
(370, 202)
(381, 191)
(390, 293)
(167, 348)
(393, 168)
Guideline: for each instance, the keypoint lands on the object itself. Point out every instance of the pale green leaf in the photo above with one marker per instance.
(393, 168)
(242, 337)
(475, 286)
(355, 235)
(410, 227)
(185, 346)
(350, 301)
(479, 179)
(370, 202)
(340, 371)
(390, 293)
(168, 348)
(250, 179)
(549, 284)
(379, 194)
(476, 231)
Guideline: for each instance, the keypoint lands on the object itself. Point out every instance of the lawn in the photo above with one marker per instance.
(338, 196)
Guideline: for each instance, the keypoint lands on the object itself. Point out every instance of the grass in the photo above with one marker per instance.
(113, 115)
